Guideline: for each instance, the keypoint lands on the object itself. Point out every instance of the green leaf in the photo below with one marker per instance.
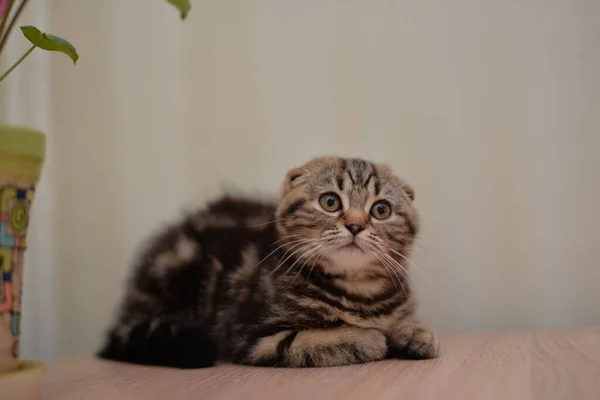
(184, 6)
(49, 42)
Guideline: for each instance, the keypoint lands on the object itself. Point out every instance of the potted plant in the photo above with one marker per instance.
(22, 153)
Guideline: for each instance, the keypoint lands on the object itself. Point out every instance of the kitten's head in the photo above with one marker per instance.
(346, 214)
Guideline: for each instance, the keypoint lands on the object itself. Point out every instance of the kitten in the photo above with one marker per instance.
(316, 280)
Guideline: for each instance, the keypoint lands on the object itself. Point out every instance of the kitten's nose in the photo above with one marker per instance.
(355, 228)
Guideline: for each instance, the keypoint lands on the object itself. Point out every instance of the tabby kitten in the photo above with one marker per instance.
(316, 280)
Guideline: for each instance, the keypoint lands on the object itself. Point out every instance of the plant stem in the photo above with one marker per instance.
(5, 17)
(12, 24)
(19, 61)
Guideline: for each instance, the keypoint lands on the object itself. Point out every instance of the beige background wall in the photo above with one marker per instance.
(489, 108)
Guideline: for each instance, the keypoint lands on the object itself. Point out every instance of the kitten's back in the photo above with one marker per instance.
(168, 313)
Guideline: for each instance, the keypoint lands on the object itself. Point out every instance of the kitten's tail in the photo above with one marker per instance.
(161, 342)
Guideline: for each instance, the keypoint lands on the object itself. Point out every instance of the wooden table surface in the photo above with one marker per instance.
(513, 365)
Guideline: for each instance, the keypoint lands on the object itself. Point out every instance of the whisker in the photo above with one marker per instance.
(378, 253)
(321, 254)
(399, 254)
(390, 265)
(298, 243)
(303, 246)
(400, 268)
(325, 249)
(407, 259)
(310, 251)
(388, 270)
(400, 272)
(279, 247)
(264, 223)
(286, 237)
(320, 248)
(304, 254)
(433, 253)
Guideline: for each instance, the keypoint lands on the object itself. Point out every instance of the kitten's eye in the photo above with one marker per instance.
(381, 210)
(330, 202)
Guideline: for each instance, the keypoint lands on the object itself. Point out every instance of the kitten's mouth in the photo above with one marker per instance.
(351, 246)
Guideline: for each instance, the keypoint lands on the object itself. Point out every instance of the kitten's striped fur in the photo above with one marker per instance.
(280, 284)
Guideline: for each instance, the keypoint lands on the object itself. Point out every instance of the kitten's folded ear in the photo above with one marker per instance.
(386, 169)
(294, 178)
(298, 176)
(409, 191)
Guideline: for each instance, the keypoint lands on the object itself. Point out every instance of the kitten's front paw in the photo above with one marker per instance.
(413, 340)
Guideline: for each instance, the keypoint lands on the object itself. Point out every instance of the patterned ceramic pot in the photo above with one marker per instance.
(22, 153)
